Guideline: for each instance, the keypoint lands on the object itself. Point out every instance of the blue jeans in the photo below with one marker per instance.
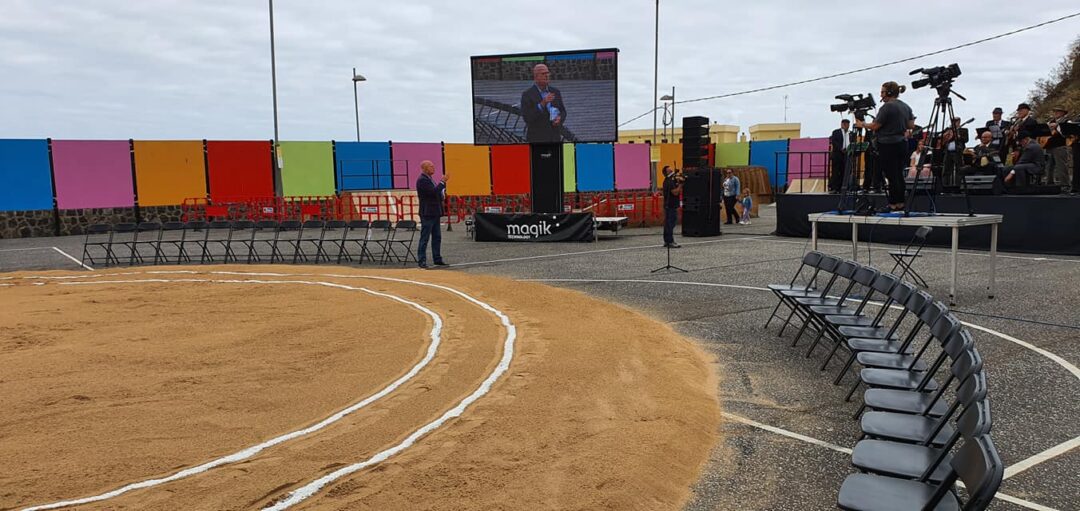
(429, 228)
(671, 216)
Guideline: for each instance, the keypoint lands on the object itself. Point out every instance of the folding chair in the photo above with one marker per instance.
(911, 252)
(242, 231)
(181, 255)
(98, 236)
(830, 265)
(977, 464)
(289, 231)
(379, 233)
(921, 403)
(311, 231)
(408, 226)
(921, 429)
(123, 236)
(921, 462)
(193, 227)
(357, 232)
(215, 233)
(810, 259)
(831, 317)
(838, 305)
(264, 233)
(334, 233)
(953, 339)
(928, 313)
(147, 233)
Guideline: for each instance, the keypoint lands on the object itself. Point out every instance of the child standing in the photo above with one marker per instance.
(747, 205)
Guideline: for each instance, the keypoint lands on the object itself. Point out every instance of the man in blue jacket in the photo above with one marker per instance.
(431, 210)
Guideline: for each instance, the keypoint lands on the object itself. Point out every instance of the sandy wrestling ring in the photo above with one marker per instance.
(316, 388)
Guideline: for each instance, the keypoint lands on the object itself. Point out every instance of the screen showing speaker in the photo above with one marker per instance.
(545, 97)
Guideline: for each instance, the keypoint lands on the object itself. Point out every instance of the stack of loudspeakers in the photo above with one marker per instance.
(704, 186)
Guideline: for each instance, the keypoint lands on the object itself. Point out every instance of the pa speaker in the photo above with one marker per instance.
(702, 193)
(546, 178)
(695, 142)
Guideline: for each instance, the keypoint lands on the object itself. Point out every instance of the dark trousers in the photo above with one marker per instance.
(836, 179)
(1024, 173)
(429, 229)
(671, 216)
(1076, 167)
(872, 174)
(892, 159)
(729, 206)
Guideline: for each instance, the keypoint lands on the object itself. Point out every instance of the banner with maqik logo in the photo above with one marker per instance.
(535, 227)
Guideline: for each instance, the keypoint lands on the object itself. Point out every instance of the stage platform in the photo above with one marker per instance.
(1041, 224)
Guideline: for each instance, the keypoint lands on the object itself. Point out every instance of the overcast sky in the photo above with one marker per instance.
(192, 69)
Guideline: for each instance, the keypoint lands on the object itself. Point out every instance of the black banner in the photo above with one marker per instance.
(535, 227)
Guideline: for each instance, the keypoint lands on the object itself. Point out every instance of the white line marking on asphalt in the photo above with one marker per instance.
(78, 262)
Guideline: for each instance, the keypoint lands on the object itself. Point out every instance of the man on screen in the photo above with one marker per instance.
(543, 109)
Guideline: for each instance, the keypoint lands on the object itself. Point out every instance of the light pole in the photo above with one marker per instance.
(656, 63)
(273, 85)
(669, 100)
(356, 78)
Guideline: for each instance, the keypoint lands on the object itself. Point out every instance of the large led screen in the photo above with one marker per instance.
(566, 96)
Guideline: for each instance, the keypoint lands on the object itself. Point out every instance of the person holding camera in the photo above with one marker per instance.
(672, 191)
(893, 120)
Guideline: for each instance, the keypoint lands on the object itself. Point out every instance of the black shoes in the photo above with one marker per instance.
(441, 263)
(672, 245)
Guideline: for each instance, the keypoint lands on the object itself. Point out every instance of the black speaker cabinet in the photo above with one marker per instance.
(547, 178)
(695, 142)
(702, 196)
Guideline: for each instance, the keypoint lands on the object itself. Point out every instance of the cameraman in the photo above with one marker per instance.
(672, 190)
(893, 120)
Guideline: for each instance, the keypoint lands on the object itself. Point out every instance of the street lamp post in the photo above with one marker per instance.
(273, 86)
(669, 100)
(356, 78)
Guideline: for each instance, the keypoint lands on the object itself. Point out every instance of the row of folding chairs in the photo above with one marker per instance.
(920, 436)
(316, 241)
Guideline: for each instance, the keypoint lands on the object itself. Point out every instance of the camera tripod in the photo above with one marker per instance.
(940, 120)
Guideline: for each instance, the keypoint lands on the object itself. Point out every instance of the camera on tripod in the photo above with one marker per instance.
(858, 104)
(936, 77)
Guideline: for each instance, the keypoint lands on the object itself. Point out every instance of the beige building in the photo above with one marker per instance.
(775, 131)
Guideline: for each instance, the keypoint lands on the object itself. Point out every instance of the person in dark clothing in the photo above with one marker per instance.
(998, 129)
(543, 109)
(672, 191)
(893, 120)
(431, 197)
(1031, 162)
(838, 143)
(952, 144)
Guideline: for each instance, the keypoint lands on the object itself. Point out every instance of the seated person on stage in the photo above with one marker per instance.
(1030, 164)
(924, 169)
(986, 158)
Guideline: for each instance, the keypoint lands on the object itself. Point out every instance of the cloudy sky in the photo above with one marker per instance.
(191, 69)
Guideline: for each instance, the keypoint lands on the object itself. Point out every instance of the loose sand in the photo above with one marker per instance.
(104, 385)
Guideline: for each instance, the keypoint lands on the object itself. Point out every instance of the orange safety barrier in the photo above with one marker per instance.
(642, 207)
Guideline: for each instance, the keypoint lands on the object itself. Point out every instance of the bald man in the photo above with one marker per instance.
(431, 197)
(543, 109)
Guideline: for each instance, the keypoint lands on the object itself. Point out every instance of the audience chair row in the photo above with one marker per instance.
(269, 241)
(925, 415)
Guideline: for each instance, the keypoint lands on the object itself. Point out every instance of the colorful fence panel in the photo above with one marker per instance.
(595, 167)
(510, 173)
(25, 178)
(307, 168)
(240, 168)
(407, 159)
(363, 166)
(631, 166)
(670, 154)
(469, 169)
(569, 168)
(808, 158)
(92, 174)
(764, 154)
(167, 172)
(734, 154)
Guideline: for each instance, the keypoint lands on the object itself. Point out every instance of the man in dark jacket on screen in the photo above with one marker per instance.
(543, 109)
(431, 197)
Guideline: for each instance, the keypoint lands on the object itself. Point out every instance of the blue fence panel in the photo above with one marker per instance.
(595, 167)
(25, 175)
(363, 166)
(763, 154)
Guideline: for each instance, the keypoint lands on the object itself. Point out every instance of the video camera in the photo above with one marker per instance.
(858, 104)
(936, 77)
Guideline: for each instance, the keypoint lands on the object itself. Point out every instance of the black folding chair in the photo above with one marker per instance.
(166, 240)
(953, 339)
(241, 233)
(123, 236)
(836, 305)
(311, 232)
(922, 429)
(829, 265)
(146, 234)
(922, 403)
(397, 238)
(98, 236)
(334, 233)
(356, 233)
(921, 462)
(906, 256)
(977, 464)
(194, 227)
(379, 234)
(810, 260)
(216, 233)
(289, 232)
(264, 233)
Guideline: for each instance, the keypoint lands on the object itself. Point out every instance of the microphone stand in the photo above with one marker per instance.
(668, 267)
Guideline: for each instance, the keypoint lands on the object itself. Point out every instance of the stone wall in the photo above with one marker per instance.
(75, 221)
(160, 214)
(27, 224)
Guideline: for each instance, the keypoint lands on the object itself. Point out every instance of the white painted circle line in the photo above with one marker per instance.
(436, 334)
